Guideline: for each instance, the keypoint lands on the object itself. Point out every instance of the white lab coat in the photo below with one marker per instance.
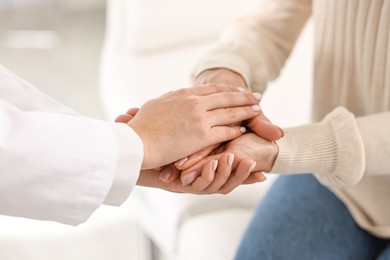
(56, 164)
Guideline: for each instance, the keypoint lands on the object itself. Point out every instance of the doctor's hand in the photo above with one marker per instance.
(215, 177)
(185, 121)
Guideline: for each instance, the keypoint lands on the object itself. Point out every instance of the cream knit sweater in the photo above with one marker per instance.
(349, 150)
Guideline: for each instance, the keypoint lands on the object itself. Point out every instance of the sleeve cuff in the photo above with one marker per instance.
(332, 149)
(130, 156)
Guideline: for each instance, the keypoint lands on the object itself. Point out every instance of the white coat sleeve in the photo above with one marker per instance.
(55, 164)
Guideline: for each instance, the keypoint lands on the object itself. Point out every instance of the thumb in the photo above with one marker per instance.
(263, 127)
(125, 118)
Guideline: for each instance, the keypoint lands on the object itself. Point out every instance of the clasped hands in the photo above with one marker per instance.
(237, 140)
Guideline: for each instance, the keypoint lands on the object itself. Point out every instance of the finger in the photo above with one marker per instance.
(132, 111)
(231, 99)
(189, 175)
(206, 177)
(151, 178)
(255, 177)
(168, 174)
(194, 158)
(169, 92)
(230, 116)
(212, 88)
(123, 118)
(226, 133)
(223, 172)
(245, 167)
(263, 127)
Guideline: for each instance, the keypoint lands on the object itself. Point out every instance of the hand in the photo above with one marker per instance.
(210, 181)
(188, 120)
(125, 118)
(213, 178)
(246, 147)
(260, 124)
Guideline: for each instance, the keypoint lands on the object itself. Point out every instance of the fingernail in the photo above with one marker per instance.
(256, 108)
(165, 174)
(257, 95)
(242, 90)
(215, 165)
(230, 159)
(281, 131)
(242, 130)
(252, 167)
(181, 161)
(264, 178)
(189, 178)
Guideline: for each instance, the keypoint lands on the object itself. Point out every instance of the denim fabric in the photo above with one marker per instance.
(301, 219)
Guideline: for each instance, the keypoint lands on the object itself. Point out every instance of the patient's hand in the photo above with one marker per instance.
(260, 124)
(247, 147)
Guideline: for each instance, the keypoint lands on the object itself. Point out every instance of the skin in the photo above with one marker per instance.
(260, 124)
(214, 177)
(209, 181)
(188, 120)
(247, 147)
(242, 171)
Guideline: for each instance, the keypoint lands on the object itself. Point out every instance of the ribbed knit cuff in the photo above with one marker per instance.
(332, 149)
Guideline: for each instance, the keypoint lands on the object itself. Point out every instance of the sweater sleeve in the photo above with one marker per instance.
(339, 150)
(258, 43)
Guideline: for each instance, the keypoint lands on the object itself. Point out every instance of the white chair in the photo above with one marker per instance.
(150, 49)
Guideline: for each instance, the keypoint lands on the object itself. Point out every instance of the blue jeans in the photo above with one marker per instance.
(301, 219)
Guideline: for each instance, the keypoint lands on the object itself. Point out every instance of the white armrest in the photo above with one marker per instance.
(162, 213)
(215, 235)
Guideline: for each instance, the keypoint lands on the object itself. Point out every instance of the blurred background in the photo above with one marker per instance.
(55, 45)
(102, 57)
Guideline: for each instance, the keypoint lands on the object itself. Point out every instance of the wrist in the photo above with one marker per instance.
(147, 162)
(221, 76)
(273, 155)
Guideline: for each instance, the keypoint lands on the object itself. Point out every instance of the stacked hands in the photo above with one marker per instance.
(206, 139)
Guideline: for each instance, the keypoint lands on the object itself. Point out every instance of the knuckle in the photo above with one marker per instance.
(223, 87)
(208, 179)
(224, 191)
(230, 98)
(229, 132)
(225, 174)
(198, 125)
(208, 191)
(220, 87)
(183, 91)
(231, 113)
(198, 118)
(201, 128)
(250, 98)
(193, 102)
(216, 86)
